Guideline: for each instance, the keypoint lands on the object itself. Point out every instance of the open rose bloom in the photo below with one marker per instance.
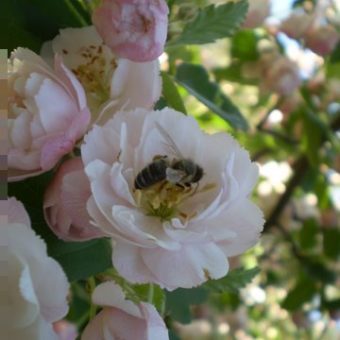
(170, 233)
(47, 114)
(122, 319)
(111, 83)
(33, 286)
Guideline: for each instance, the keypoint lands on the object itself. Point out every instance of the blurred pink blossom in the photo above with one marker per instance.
(122, 319)
(297, 24)
(258, 11)
(316, 33)
(322, 39)
(65, 203)
(47, 114)
(281, 76)
(134, 29)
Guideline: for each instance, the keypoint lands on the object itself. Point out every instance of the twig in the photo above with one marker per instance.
(300, 168)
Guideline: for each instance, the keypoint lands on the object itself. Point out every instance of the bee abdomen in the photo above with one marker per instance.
(151, 174)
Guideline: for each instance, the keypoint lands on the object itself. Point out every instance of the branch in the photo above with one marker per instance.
(300, 168)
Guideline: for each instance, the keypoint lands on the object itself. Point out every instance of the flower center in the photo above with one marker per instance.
(95, 74)
(163, 199)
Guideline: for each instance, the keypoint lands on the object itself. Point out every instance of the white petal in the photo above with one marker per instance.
(109, 294)
(136, 84)
(188, 267)
(244, 219)
(48, 277)
(128, 261)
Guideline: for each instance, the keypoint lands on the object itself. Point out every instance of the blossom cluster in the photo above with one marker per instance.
(173, 200)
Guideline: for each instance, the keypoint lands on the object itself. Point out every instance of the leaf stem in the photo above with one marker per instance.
(75, 13)
(93, 308)
(150, 293)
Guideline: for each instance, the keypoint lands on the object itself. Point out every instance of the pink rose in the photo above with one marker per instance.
(65, 203)
(122, 319)
(111, 83)
(47, 114)
(27, 307)
(173, 234)
(134, 29)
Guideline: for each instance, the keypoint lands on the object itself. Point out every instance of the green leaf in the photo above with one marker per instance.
(213, 22)
(178, 302)
(156, 297)
(82, 260)
(171, 94)
(302, 292)
(333, 70)
(312, 136)
(244, 45)
(233, 73)
(195, 79)
(331, 243)
(234, 281)
(317, 270)
(335, 56)
(29, 23)
(308, 234)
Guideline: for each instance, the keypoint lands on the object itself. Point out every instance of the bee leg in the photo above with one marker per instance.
(195, 190)
(180, 185)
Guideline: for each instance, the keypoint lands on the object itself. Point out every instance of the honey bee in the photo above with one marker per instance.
(180, 171)
(153, 173)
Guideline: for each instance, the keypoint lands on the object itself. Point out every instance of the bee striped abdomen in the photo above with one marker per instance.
(151, 174)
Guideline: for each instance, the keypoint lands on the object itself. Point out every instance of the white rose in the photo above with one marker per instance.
(173, 234)
(111, 83)
(33, 286)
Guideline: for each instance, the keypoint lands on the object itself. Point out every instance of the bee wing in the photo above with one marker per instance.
(170, 142)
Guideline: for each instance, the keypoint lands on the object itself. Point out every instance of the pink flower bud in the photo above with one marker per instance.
(133, 29)
(65, 203)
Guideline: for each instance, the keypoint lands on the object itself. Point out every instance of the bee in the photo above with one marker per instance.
(180, 171)
(153, 173)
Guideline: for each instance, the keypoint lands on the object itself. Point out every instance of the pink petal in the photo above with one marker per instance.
(55, 148)
(134, 30)
(65, 203)
(16, 211)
